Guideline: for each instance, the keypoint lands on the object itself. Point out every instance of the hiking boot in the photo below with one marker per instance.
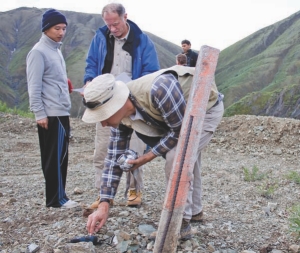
(198, 217)
(134, 198)
(185, 230)
(89, 210)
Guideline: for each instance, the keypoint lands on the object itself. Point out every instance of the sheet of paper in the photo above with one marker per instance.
(78, 90)
(123, 77)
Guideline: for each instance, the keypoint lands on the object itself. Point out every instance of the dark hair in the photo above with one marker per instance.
(114, 8)
(186, 42)
(182, 59)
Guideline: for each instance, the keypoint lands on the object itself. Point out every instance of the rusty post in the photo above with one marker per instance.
(185, 157)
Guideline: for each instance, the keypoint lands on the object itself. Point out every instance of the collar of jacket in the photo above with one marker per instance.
(51, 43)
(133, 39)
(132, 42)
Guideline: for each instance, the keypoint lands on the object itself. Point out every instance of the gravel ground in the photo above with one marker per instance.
(240, 215)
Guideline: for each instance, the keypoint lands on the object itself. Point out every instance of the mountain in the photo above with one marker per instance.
(20, 29)
(260, 74)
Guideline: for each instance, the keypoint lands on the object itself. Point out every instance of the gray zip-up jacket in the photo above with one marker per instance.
(47, 80)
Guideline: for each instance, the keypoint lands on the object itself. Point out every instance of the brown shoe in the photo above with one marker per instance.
(198, 217)
(134, 199)
(89, 210)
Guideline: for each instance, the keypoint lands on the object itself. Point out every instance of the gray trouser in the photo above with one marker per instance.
(194, 203)
(101, 144)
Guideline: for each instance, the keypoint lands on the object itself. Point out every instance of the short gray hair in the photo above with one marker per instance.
(114, 8)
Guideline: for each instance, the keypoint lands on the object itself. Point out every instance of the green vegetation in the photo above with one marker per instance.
(294, 220)
(267, 189)
(294, 176)
(15, 111)
(253, 175)
(259, 75)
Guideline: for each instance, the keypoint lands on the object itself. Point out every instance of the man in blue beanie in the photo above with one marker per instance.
(50, 102)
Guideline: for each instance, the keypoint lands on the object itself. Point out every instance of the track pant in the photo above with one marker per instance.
(54, 143)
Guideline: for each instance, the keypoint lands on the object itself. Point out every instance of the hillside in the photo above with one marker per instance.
(239, 214)
(260, 74)
(20, 30)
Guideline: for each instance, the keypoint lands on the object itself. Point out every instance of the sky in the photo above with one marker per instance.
(215, 23)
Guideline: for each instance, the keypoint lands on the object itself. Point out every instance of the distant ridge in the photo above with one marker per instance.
(258, 75)
(20, 30)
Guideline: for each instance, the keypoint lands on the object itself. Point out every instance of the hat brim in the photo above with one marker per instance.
(105, 111)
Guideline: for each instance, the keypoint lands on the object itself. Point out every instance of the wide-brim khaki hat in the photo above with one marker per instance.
(103, 97)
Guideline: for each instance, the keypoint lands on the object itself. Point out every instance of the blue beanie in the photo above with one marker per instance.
(52, 17)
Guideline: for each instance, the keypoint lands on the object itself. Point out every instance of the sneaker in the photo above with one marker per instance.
(69, 204)
(198, 217)
(70, 134)
(185, 230)
(134, 198)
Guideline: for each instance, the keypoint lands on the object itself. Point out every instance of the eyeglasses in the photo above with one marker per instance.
(95, 104)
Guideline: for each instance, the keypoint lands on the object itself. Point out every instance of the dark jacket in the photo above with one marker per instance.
(191, 58)
(138, 45)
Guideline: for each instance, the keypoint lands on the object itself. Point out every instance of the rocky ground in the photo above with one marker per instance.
(240, 215)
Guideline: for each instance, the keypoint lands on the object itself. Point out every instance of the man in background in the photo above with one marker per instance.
(50, 102)
(190, 54)
(181, 59)
(119, 47)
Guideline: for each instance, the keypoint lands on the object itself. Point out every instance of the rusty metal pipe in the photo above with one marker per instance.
(186, 152)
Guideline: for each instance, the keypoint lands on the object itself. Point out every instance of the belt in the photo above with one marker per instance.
(219, 100)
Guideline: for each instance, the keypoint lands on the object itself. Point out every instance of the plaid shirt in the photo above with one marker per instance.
(167, 97)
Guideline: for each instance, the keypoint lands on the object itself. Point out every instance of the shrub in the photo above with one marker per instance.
(293, 176)
(252, 175)
(15, 111)
(294, 220)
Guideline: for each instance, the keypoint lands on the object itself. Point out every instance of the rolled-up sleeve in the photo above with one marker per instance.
(167, 97)
(118, 143)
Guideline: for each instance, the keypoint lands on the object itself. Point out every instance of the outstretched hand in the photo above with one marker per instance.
(97, 219)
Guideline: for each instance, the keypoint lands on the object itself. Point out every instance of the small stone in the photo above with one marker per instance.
(12, 200)
(32, 248)
(77, 191)
(210, 248)
(294, 248)
(150, 245)
(277, 151)
(124, 235)
(272, 206)
(265, 248)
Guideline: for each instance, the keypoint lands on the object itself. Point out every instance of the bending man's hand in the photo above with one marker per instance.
(97, 219)
(141, 160)
(43, 123)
